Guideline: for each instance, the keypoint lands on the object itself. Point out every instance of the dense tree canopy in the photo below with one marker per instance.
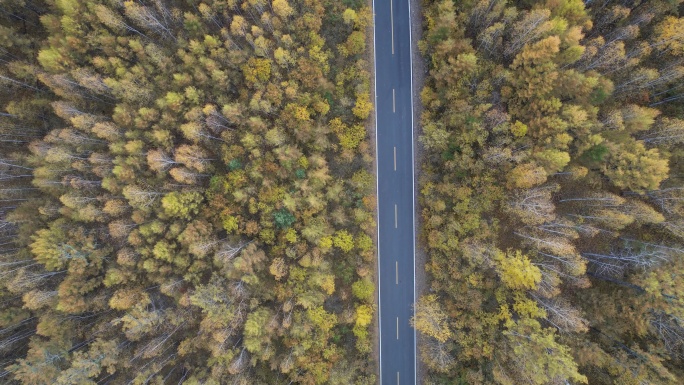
(185, 192)
(551, 192)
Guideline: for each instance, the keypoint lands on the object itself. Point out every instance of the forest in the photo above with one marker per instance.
(186, 192)
(551, 192)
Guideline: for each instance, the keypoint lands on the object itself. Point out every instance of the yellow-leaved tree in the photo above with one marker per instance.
(516, 270)
(430, 319)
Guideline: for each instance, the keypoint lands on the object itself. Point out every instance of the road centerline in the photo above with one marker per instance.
(396, 223)
(395, 158)
(392, 24)
(394, 102)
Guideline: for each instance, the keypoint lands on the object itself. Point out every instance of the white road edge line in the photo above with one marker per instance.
(377, 190)
(413, 178)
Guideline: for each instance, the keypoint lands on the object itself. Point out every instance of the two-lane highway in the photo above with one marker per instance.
(394, 151)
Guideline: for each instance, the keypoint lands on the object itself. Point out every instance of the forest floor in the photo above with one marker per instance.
(419, 71)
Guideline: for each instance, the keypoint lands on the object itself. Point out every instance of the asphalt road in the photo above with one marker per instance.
(394, 135)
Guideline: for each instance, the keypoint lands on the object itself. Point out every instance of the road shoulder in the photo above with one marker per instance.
(419, 71)
(370, 128)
